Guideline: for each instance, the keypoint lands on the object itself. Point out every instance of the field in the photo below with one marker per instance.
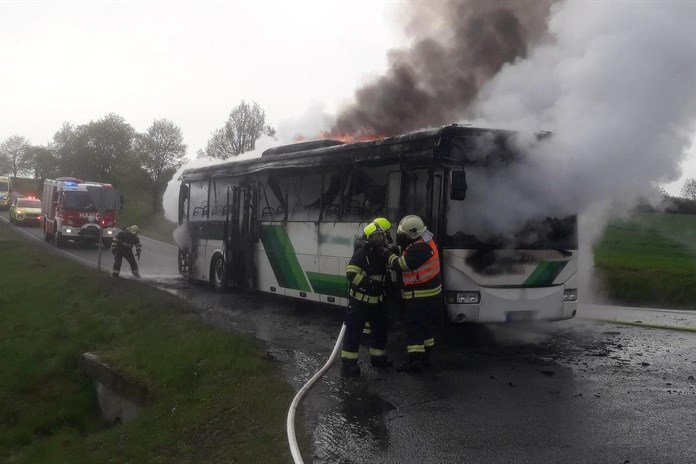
(649, 260)
(217, 397)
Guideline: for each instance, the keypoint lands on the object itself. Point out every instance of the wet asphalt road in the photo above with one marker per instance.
(577, 391)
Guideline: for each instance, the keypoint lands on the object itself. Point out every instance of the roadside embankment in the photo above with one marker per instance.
(216, 398)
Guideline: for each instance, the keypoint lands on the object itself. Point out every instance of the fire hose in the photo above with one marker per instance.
(292, 440)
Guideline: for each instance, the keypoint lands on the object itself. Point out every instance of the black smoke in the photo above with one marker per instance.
(458, 46)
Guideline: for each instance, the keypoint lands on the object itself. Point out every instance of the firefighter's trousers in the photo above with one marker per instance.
(418, 314)
(119, 254)
(356, 316)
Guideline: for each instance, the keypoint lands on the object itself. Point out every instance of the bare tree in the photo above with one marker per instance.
(688, 190)
(161, 151)
(246, 124)
(15, 155)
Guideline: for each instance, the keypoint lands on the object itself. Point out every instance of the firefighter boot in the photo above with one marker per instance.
(136, 274)
(350, 368)
(380, 361)
(114, 273)
(413, 364)
(427, 357)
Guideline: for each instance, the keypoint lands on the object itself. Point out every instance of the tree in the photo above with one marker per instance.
(688, 190)
(15, 156)
(246, 124)
(98, 151)
(161, 151)
(44, 161)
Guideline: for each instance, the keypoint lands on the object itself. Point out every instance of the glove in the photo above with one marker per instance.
(113, 251)
(137, 253)
(394, 250)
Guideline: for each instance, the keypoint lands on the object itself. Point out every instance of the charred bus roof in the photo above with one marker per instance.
(450, 145)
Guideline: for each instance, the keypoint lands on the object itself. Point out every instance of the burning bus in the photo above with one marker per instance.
(286, 222)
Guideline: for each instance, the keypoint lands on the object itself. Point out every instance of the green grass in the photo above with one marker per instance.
(217, 399)
(138, 210)
(650, 260)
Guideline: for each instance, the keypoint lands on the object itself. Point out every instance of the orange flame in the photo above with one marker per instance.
(342, 136)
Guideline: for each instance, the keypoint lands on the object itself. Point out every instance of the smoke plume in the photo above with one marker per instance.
(457, 47)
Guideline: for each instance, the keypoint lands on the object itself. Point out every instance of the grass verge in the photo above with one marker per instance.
(646, 261)
(217, 399)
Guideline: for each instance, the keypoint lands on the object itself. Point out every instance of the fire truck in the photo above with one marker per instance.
(71, 211)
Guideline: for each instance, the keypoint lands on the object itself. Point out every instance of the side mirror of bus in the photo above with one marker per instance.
(458, 185)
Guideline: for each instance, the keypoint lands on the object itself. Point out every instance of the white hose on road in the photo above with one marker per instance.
(292, 440)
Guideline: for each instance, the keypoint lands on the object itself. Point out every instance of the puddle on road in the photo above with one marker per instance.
(356, 427)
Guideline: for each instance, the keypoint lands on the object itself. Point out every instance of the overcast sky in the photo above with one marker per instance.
(188, 62)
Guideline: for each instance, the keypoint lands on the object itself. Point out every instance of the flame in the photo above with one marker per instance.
(342, 136)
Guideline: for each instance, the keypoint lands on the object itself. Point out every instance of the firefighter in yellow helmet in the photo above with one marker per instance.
(421, 288)
(386, 225)
(366, 273)
(122, 247)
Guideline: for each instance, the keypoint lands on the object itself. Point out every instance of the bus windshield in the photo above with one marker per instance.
(4, 186)
(550, 233)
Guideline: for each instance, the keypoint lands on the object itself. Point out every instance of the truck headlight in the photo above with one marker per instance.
(68, 231)
(463, 297)
(570, 294)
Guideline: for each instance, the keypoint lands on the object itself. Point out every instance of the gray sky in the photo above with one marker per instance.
(190, 63)
(187, 62)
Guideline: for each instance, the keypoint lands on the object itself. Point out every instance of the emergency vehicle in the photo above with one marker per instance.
(5, 192)
(70, 211)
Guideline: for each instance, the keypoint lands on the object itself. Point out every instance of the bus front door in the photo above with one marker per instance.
(238, 236)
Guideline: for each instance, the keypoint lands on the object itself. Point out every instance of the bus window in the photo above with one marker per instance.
(218, 196)
(332, 196)
(304, 196)
(273, 192)
(366, 197)
(198, 201)
(416, 193)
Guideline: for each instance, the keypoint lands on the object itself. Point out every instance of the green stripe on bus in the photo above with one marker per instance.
(281, 255)
(329, 284)
(545, 273)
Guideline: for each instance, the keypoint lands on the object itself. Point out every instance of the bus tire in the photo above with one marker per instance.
(217, 271)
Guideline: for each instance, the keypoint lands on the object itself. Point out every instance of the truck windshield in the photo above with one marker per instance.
(79, 201)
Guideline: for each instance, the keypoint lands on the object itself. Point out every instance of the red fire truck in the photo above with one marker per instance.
(70, 211)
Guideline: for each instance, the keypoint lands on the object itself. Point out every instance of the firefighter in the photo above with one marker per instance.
(385, 224)
(122, 247)
(421, 288)
(366, 273)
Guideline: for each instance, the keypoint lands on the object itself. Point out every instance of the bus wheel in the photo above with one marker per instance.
(217, 271)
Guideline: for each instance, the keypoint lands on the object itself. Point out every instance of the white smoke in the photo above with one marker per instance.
(616, 88)
(616, 85)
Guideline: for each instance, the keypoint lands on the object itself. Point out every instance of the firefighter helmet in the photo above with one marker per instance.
(383, 223)
(373, 228)
(134, 229)
(412, 226)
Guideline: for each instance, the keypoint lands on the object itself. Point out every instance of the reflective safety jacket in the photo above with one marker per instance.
(420, 270)
(125, 240)
(366, 273)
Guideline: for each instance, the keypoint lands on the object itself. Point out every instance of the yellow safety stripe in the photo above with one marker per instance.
(358, 278)
(391, 260)
(353, 268)
(415, 349)
(349, 355)
(365, 298)
(402, 264)
(409, 294)
(429, 342)
(376, 352)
